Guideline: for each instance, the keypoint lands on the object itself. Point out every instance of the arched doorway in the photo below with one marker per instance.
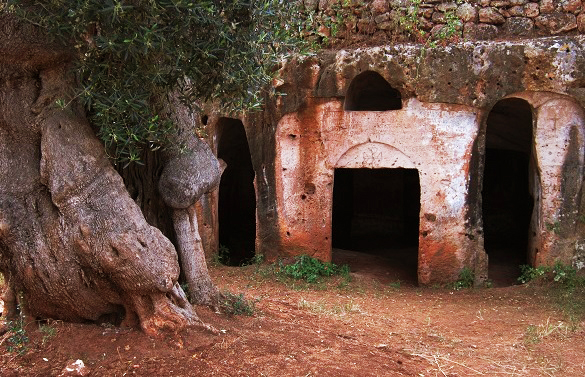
(376, 214)
(237, 198)
(507, 196)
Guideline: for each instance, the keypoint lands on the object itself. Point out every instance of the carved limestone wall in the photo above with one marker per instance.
(435, 139)
(485, 140)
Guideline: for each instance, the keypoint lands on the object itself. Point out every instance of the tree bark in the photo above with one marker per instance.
(192, 255)
(73, 243)
(187, 175)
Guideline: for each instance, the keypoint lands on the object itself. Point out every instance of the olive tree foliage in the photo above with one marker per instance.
(74, 245)
(132, 53)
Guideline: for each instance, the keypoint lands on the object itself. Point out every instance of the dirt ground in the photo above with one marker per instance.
(373, 325)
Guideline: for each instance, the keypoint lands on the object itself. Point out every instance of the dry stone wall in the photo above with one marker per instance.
(345, 22)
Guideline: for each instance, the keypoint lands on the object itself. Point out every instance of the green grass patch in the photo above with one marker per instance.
(466, 279)
(237, 304)
(313, 270)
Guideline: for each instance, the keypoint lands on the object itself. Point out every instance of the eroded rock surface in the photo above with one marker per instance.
(444, 97)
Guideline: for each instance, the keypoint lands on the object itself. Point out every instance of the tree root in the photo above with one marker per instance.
(170, 312)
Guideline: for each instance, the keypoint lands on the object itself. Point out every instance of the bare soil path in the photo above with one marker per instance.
(371, 326)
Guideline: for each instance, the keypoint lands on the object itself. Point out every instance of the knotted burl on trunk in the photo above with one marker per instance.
(188, 174)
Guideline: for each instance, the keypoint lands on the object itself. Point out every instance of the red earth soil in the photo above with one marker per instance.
(373, 325)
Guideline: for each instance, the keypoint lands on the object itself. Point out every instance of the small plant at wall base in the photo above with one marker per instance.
(568, 288)
(529, 273)
(466, 279)
(311, 269)
(222, 257)
(567, 276)
(256, 260)
(48, 332)
(395, 284)
(17, 340)
(559, 273)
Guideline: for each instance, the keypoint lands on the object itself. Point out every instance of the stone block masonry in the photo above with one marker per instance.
(369, 22)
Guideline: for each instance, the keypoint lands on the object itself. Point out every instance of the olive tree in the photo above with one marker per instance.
(87, 85)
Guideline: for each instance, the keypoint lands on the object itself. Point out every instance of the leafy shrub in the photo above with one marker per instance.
(529, 273)
(559, 273)
(565, 275)
(310, 269)
(237, 304)
(466, 279)
(18, 340)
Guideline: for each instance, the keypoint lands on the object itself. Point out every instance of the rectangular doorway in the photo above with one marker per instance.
(375, 218)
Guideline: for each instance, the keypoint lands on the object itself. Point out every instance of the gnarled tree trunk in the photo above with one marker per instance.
(73, 243)
(187, 175)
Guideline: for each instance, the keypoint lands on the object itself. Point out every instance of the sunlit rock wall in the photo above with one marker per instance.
(446, 95)
(436, 139)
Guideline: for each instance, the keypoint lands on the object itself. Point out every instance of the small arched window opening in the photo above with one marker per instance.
(369, 91)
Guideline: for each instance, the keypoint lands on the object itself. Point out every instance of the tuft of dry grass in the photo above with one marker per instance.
(534, 334)
(338, 309)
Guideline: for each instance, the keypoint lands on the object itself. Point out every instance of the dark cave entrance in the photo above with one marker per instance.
(369, 91)
(237, 197)
(507, 199)
(375, 222)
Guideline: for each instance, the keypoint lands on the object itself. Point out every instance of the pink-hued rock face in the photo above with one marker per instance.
(434, 139)
(437, 140)
(432, 116)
